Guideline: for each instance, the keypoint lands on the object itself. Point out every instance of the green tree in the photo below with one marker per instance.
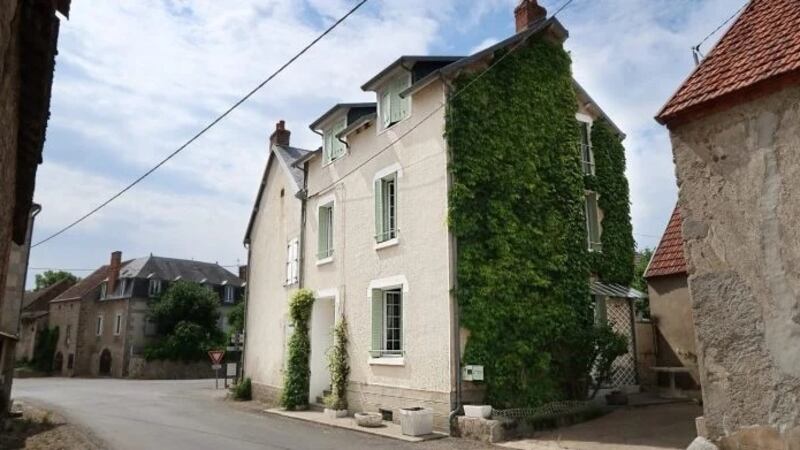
(236, 318)
(298, 372)
(45, 349)
(643, 304)
(187, 317)
(52, 277)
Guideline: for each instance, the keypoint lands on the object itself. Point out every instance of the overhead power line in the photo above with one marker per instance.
(435, 110)
(206, 128)
(696, 49)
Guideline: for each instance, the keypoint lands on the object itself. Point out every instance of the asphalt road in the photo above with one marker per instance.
(188, 415)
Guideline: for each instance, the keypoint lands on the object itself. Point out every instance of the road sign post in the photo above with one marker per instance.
(216, 364)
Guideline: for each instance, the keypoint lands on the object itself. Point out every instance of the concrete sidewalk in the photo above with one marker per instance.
(661, 427)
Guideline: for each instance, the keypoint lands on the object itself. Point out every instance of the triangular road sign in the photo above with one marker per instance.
(216, 356)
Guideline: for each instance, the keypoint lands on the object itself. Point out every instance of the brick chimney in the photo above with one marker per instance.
(243, 273)
(113, 271)
(527, 13)
(281, 135)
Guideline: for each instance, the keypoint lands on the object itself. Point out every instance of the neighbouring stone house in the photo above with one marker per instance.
(35, 316)
(363, 223)
(28, 37)
(102, 320)
(671, 312)
(735, 131)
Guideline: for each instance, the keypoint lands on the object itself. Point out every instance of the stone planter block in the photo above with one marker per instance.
(416, 421)
(481, 411)
(335, 413)
(369, 420)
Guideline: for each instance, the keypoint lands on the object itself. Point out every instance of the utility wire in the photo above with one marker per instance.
(56, 269)
(696, 49)
(206, 128)
(435, 110)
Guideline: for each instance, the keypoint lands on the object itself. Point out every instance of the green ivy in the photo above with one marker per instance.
(298, 371)
(339, 368)
(615, 263)
(517, 210)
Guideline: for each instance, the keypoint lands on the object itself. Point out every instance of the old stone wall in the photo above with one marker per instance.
(671, 311)
(66, 316)
(739, 177)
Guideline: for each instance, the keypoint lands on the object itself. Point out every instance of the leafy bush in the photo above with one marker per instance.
(186, 316)
(609, 345)
(339, 368)
(51, 277)
(45, 350)
(298, 372)
(242, 391)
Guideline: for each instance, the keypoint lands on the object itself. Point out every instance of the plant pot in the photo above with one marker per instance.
(481, 411)
(335, 413)
(369, 420)
(416, 421)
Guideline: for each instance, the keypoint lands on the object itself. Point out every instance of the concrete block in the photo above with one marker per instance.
(701, 443)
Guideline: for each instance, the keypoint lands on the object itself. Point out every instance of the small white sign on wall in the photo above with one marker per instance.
(231, 369)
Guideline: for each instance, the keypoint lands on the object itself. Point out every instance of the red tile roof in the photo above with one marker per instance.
(83, 286)
(668, 258)
(762, 45)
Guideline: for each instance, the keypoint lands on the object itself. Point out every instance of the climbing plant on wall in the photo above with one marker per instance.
(615, 263)
(298, 371)
(517, 210)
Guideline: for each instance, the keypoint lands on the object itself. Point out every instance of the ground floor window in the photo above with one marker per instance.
(387, 323)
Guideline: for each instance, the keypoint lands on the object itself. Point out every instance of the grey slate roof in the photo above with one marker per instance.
(288, 156)
(162, 268)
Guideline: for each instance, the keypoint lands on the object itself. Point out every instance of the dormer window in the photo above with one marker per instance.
(228, 294)
(392, 107)
(104, 290)
(333, 148)
(154, 288)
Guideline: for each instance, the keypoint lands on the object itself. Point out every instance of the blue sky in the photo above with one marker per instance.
(134, 80)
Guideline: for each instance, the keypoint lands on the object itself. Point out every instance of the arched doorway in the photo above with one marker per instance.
(105, 362)
(58, 362)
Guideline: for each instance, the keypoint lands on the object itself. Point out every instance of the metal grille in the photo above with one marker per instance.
(618, 312)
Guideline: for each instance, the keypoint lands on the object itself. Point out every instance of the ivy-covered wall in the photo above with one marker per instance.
(615, 263)
(517, 211)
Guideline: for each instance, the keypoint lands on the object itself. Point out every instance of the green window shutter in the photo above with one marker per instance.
(322, 241)
(396, 102)
(337, 146)
(402, 103)
(379, 210)
(386, 110)
(377, 322)
(326, 148)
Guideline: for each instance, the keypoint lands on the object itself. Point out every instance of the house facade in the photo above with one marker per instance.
(28, 38)
(364, 222)
(102, 320)
(35, 317)
(735, 131)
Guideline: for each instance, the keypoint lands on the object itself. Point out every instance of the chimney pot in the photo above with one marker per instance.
(281, 135)
(527, 13)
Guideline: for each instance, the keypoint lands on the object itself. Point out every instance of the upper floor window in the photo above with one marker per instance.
(593, 229)
(228, 293)
(325, 238)
(392, 107)
(154, 288)
(68, 336)
(118, 325)
(104, 290)
(333, 148)
(99, 325)
(386, 208)
(292, 262)
(587, 154)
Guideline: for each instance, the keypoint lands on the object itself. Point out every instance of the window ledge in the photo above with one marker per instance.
(389, 243)
(387, 361)
(323, 261)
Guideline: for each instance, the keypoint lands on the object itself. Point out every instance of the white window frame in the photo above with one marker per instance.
(292, 262)
(385, 293)
(104, 290)
(385, 103)
(228, 294)
(593, 245)
(154, 288)
(381, 239)
(325, 256)
(99, 325)
(330, 141)
(118, 324)
(377, 357)
(587, 166)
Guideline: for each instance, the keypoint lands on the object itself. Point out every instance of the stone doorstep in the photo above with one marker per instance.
(389, 430)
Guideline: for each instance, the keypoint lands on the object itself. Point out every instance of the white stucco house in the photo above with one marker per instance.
(363, 222)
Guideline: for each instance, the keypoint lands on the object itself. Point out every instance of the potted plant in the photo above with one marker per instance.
(416, 421)
(336, 401)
